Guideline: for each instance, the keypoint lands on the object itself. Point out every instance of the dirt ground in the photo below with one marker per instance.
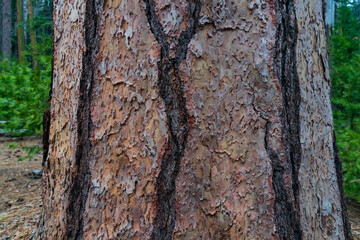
(20, 191)
(20, 195)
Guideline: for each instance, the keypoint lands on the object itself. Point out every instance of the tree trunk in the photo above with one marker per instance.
(20, 29)
(6, 28)
(32, 31)
(191, 120)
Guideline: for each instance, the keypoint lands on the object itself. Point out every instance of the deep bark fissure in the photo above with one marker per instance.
(339, 178)
(171, 91)
(46, 134)
(47, 117)
(287, 206)
(286, 218)
(81, 178)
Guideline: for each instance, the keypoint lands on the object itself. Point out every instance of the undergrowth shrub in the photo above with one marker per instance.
(344, 51)
(23, 96)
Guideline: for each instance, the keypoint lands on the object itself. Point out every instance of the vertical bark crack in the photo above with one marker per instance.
(287, 216)
(81, 178)
(47, 117)
(171, 91)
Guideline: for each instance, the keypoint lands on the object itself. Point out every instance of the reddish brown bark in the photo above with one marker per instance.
(191, 120)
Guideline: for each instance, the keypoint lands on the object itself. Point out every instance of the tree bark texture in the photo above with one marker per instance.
(6, 28)
(191, 120)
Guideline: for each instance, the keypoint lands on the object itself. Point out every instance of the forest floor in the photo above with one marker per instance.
(20, 193)
(20, 190)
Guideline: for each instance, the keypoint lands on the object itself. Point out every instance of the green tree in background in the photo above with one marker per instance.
(345, 63)
(25, 80)
(23, 95)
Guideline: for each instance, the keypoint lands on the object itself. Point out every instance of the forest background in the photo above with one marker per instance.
(25, 75)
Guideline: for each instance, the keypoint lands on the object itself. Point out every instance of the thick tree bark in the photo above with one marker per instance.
(191, 120)
(6, 28)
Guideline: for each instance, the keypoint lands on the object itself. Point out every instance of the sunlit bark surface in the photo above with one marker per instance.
(191, 120)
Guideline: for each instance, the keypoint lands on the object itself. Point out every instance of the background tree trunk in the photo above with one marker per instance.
(191, 120)
(32, 31)
(6, 28)
(20, 29)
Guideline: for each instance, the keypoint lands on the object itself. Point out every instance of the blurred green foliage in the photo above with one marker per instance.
(13, 145)
(31, 151)
(23, 94)
(344, 48)
(24, 88)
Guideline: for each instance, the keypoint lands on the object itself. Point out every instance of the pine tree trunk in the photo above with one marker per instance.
(191, 120)
(32, 31)
(6, 28)
(20, 29)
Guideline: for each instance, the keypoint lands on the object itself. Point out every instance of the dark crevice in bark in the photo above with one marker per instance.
(47, 116)
(171, 91)
(45, 140)
(339, 177)
(287, 222)
(81, 177)
(287, 217)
